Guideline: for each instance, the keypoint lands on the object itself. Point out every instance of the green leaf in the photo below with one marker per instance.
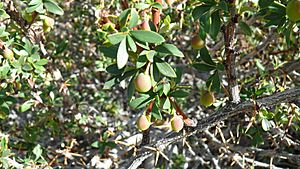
(214, 82)
(215, 25)
(21, 52)
(179, 94)
(260, 67)
(118, 78)
(95, 144)
(140, 102)
(2, 29)
(143, 45)
(134, 18)
(156, 111)
(35, 2)
(203, 67)
(165, 68)
(53, 7)
(158, 88)
(155, 75)
(37, 7)
(167, 104)
(131, 43)
(205, 24)
(27, 46)
(257, 139)
(110, 51)
(265, 3)
(123, 18)
(224, 6)
(220, 67)
(26, 106)
(27, 67)
(199, 11)
(147, 36)
(205, 56)
(141, 6)
(122, 55)
(167, 88)
(141, 61)
(111, 83)
(4, 109)
(113, 69)
(245, 28)
(42, 62)
(38, 69)
(131, 89)
(150, 55)
(116, 38)
(179, 71)
(169, 49)
(157, 5)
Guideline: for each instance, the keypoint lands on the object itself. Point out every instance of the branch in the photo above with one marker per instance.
(24, 25)
(231, 54)
(220, 115)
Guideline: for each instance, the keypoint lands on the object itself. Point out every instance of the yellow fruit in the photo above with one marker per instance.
(176, 123)
(207, 98)
(142, 83)
(18, 85)
(197, 42)
(48, 24)
(8, 54)
(143, 123)
(293, 10)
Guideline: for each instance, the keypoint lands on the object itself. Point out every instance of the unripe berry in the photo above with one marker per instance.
(143, 123)
(197, 42)
(293, 10)
(48, 23)
(176, 123)
(207, 98)
(142, 83)
(169, 2)
(8, 54)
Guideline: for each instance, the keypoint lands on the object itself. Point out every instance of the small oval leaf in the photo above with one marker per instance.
(122, 55)
(165, 68)
(147, 36)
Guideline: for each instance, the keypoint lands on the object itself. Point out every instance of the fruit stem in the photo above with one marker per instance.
(177, 108)
(147, 68)
(185, 118)
(149, 108)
